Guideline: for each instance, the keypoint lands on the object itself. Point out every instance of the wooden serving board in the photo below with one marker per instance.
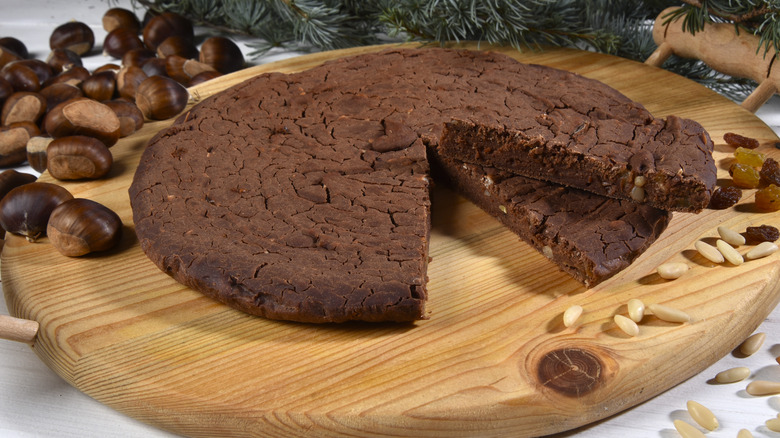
(493, 359)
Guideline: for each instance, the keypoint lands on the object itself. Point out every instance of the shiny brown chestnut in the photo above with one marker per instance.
(83, 116)
(100, 86)
(204, 76)
(78, 157)
(131, 119)
(73, 35)
(13, 142)
(179, 46)
(23, 106)
(55, 94)
(6, 90)
(11, 179)
(16, 46)
(63, 59)
(222, 54)
(161, 98)
(21, 77)
(8, 56)
(80, 226)
(182, 70)
(128, 79)
(166, 25)
(74, 76)
(154, 67)
(36, 152)
(115, 18)
(120, 41)
(137, 57)
(25, 210)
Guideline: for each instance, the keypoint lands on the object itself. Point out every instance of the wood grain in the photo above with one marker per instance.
(493, 359)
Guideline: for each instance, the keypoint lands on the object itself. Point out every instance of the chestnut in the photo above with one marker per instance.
(41, 68)
(25, 210)
(74, 76)
(83, 116)
(161, 98)
(154, 67)
(6, 90)
(222, 54)
(100, 86)
(15, 46)
(80, 226)
(166, 25)
(120, 41)
(13, 143)
(128, 79)
(10, 179)
(182, 70)
(116, 18)
(78, 157)
(8, 56)
(21, 77)
(63, 59)
(179, 46)
(204, 76)
(55, 94)
(131, 119)
(23, 106)
(36, 152)
(137, 57)
(73, 35)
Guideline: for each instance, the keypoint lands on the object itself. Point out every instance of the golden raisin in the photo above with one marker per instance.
(725, 197)
(768, 198)
(763, 233)
(770, 172)
(744, 176)
(737, 140)
(749, 157)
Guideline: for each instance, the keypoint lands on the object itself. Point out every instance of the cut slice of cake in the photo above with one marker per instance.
(666, 163)
(590, 237)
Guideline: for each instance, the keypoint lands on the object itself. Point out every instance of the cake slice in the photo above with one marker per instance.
(665, 163)
(588, 236)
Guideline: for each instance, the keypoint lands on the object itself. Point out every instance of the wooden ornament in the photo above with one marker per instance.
(723, 49)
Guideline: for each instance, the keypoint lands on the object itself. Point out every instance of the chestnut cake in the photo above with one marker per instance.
(306, 196)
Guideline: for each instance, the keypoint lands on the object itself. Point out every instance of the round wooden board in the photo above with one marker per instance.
(493, 359)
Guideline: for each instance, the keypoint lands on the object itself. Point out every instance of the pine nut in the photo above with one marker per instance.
(763, 387)
(732, 237)
(571, 315)
(668, 314)
(686, 430)
(640, 180)
(763, 249)
(744, 433)
(628, 326)
(752, 344)
(702, 415)
(709, 252)
(732, 375)
(671, 271)
(773, 424)
(729, 253)
(636, 309)
(638, 194)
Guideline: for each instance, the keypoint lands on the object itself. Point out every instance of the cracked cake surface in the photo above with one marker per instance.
(305, 196)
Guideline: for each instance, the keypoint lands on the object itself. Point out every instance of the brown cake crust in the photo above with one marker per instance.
(306, 196)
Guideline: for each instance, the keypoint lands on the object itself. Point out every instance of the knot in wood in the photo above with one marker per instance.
(572, 372)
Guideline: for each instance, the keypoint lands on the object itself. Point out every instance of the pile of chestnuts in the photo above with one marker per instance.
(58, 116)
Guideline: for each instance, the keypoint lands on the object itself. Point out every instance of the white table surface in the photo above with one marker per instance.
(35, 402)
